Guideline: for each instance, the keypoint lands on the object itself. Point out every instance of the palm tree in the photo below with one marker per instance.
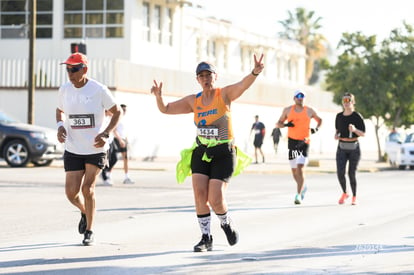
(302, 27)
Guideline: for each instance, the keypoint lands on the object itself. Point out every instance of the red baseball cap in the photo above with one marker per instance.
(76, 59)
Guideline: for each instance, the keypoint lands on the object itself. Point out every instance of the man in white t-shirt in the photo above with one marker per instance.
(80, 120)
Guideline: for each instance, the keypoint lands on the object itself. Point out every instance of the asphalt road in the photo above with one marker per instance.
(150, 227)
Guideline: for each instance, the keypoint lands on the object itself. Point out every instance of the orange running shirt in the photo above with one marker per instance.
(214, 120)
(301, 121)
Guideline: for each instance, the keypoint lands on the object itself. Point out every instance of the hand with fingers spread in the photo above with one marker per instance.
(156, 89)
(258, 65)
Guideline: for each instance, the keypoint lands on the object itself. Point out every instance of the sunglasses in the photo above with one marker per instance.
(346, 100)
(300, 95)
(74, 69)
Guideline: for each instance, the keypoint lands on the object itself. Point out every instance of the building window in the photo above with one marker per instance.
(210, 50)
(15, 16)
(157, 25)
(93, 18)
(146, 21)
(169, 26)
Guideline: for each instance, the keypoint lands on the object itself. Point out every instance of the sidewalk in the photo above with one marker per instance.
(322, 163)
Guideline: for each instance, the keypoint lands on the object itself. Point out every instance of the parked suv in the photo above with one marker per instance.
(401, 154)
(21, 143)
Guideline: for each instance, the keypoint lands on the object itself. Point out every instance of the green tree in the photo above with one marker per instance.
(303, 27)
(398, 51)
(380, 76)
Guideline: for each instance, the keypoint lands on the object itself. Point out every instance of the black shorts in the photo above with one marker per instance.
(118, 146)
(297, 148)
(75, 162)
(222, 164)
(258, 142)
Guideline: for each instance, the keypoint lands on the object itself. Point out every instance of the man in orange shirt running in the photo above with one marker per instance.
(298, 117)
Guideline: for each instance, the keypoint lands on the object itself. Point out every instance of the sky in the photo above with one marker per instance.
(370, 17)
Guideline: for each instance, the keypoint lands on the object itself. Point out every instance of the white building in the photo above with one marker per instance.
(130, 43)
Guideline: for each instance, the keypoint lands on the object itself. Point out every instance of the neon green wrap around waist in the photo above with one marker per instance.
(183, 168)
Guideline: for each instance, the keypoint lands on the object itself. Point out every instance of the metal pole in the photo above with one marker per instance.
(32, 52)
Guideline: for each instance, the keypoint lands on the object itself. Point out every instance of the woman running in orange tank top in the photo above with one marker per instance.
(213, 160)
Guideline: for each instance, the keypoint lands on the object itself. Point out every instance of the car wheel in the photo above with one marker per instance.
(401, 167)
(40, 163)
(16, 153)
(411, 167)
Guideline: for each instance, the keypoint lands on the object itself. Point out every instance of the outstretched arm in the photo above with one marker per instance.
(181, 106)
(234, 91)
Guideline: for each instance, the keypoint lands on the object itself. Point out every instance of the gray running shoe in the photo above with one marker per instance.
(128, 181)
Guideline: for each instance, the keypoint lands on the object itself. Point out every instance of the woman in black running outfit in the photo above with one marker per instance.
(349, 126)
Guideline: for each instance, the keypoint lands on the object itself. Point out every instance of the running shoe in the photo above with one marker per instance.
(343, 198)
(298, 199)
(354, 201)
(231, 234)
(304, 189)
(128, 181)
(108, 182)
(206, 244)
(88, 238)
(82, 224)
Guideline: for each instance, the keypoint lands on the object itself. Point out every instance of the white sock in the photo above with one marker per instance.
(204, 223)
(224, 219)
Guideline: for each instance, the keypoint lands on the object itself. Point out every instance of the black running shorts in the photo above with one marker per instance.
(222, 164)
(75, 162)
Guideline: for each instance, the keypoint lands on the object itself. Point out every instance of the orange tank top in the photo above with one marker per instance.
(301, 120)
(213, 120)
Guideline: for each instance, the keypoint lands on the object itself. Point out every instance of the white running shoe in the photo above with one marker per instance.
(107, 182)
(128, 181)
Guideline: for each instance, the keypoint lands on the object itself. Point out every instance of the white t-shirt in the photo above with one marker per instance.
(121, 129)
(84, 110)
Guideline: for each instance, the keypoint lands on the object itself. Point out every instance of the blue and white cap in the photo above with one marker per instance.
(205, 66)
(297, 92)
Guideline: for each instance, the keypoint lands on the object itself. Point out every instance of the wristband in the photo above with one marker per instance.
(254, 73)
(59, 124)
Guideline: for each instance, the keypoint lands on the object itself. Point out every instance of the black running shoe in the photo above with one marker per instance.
(206, 244)
(88, 238)
(82, 224)
(231, 234)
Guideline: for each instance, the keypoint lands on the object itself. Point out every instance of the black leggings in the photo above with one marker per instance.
(342, 157)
